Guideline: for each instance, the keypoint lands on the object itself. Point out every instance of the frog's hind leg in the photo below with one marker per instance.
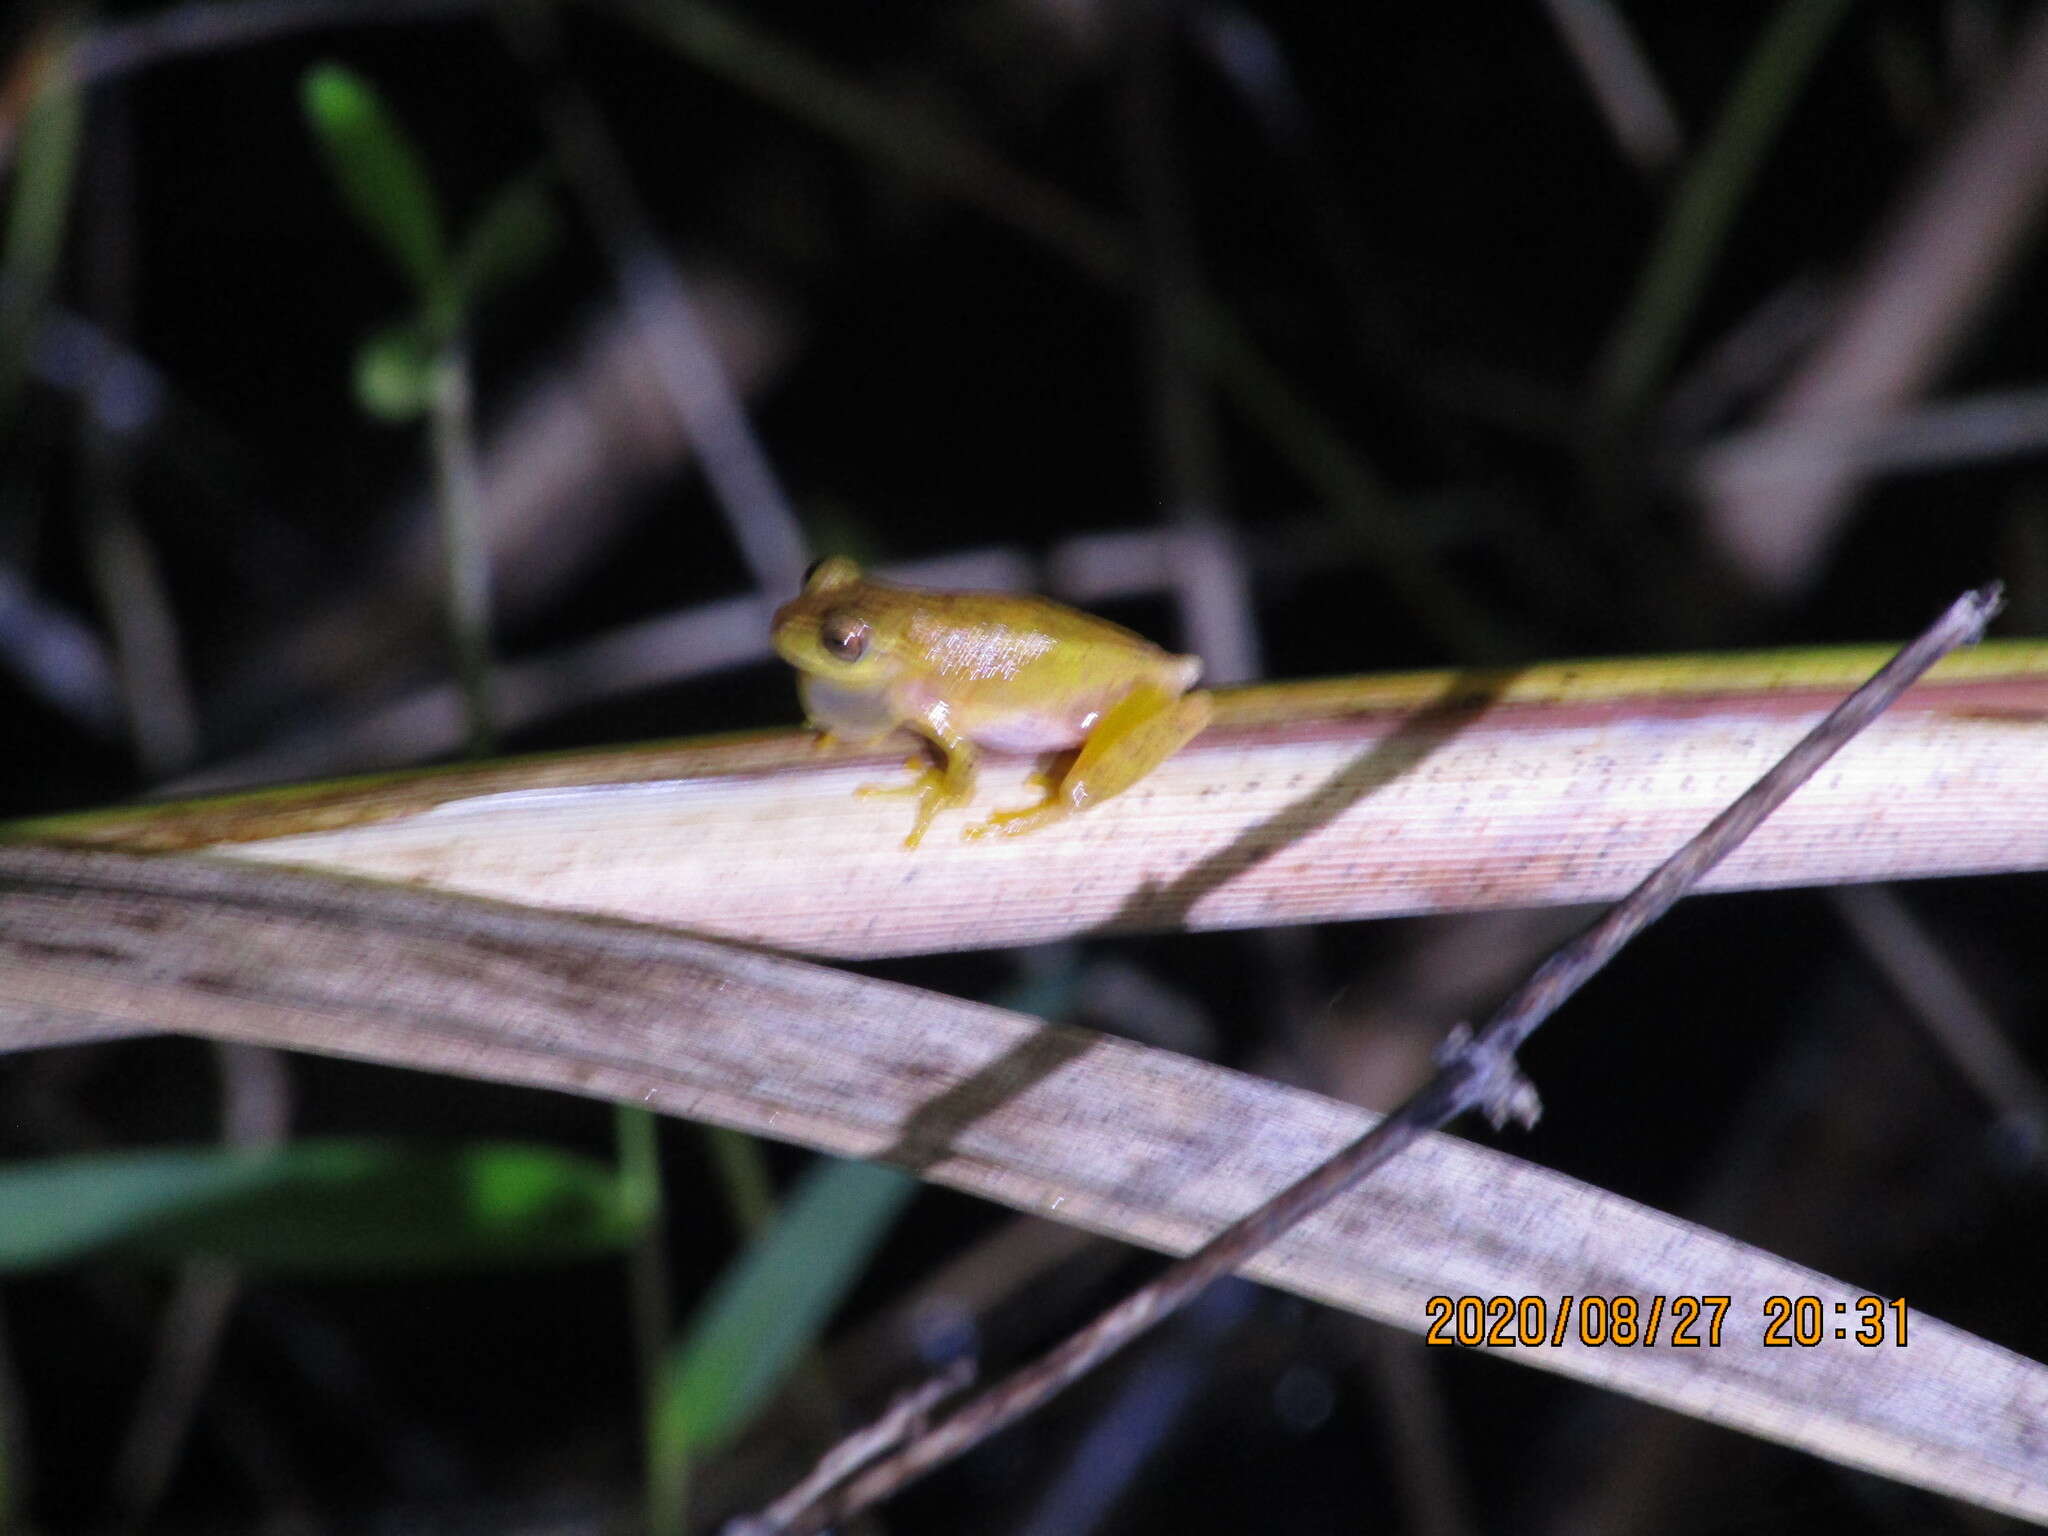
(1146, 727)
(1135, 735)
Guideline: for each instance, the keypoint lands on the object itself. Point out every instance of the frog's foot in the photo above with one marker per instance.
(1053, 807)
(936, 791)
(924, 776)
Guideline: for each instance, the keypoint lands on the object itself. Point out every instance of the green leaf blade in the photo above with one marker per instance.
(509, 239)
(329, 1206)
(769, 1307)
(38, 212)
(380, 175)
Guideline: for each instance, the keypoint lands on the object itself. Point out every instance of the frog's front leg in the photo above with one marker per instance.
(939, 786)
(1134, 736)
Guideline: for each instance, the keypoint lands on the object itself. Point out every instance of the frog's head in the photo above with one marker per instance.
(838, 629)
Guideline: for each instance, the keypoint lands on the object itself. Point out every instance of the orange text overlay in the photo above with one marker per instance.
(1676, 1322)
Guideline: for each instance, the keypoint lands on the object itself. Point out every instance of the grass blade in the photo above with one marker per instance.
(338, 1205)
(1703, 210)
(380, 175)
(765, 1312)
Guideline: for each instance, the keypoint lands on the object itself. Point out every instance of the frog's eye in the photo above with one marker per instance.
(844, 636)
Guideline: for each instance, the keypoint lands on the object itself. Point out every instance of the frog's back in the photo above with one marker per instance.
(1022, 673)
(1029, 641)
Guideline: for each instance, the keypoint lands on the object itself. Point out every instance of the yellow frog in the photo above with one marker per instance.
(967, 670)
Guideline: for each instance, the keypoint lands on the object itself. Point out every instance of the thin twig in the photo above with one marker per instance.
(1209, 573)
(1960, 1024)
(636, 1139)
(128, 578)
(56, 657)
(1954, 244)
(1702, 211)
(918, 144)
(695, 381)
(1632, 101)
(1942, 434)
(459, 496)
(905, 1416)
(1573, 965)
(256, 1112)
(1478, 1072)
(1148, 1412)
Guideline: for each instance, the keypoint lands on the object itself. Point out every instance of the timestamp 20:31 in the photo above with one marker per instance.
(1676, 1322)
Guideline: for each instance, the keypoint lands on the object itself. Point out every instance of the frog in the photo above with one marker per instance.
(970, 671)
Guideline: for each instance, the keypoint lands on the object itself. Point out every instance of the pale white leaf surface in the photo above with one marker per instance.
(1307, 802)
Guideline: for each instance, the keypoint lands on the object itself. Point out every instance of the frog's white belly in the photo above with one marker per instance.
(1029, 732)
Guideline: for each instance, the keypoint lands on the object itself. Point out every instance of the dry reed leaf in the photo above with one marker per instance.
(1145, 1145)
(1305, 802)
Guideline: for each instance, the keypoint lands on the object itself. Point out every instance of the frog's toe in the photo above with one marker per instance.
(925, 780)
(933, 791)
(927, 813)
(1016, 823)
